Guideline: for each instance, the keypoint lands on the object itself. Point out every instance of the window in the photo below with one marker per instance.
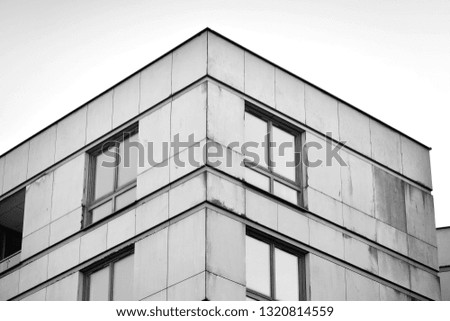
(272, 156)
(11, 224)
(274, 271)
(112, 175)
(111, 280)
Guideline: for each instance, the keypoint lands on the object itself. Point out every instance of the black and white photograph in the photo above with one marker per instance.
(289, 153)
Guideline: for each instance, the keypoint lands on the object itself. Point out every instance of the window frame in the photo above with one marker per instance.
(269, 172)
(92, 203)
(4, 230)
(288, 248)
(109, 261)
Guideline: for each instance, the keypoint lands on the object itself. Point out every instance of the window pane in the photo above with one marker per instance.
(128, 152)
(99, 285)
(286, 276)
(257, 179)
(102, 211)
(255, 132)
(283, 153)
(104, 173)
(126, 198)
(123, 279)
(285, 192)
(258, 265)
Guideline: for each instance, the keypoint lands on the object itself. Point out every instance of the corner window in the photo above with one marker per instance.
(274, 271)
(272, 156)
(112, 175)
(111, 280)
(11, 224)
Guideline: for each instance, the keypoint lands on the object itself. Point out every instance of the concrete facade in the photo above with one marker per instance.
(443, 241)
(365, 231)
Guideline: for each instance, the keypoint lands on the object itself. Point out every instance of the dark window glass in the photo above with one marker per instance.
(11, 224)
(273, 272)
(114, 171)
(275, 164)
(112, 280)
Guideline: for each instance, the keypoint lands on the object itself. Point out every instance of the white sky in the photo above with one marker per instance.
(390, 58)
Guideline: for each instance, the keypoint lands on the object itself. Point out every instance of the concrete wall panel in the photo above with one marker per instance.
(33, 274)
(225, 247)
(359, 222)
(189, 115)
(443, 237)
(65, 289)
(63, 258)
(2, 173)
(392, 238)
(93, 243)
(360, 288)
(126, 100)
(192, 289)
(425, 283)
(445, 285)
(36, 296)
(323, 177)
(187, 195)
(42, 151)
(293, 224)
(154, 134)
(289, 95)
(390, 199)
(354, 129)
(187, 161)
(225, 116)
(156, 82)
(99, 116)
(152, 179)
(357, 184)
(186, 248)
(326, 239)
(324, 206)
(68, 187)
(423, 252)
(420, 220)
(35, 242)
(226, 61)
(321, 111)
(260, 209)
(10, 285)
(225, 194)
(152, 213)
(259, 79)
(71, 134)
(66, 225)
(189, 62)
(121, 229)
(38, 204)
(150, 265)
(385, 144)
(416, 161)
(221, 289)
(361, 254)
(160, 296)
(389, 294)
(393, 269)
(225, 159)
(327, 280)
(16, 166)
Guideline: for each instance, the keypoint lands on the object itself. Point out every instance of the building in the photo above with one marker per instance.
(443, 241)
(358, 226)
